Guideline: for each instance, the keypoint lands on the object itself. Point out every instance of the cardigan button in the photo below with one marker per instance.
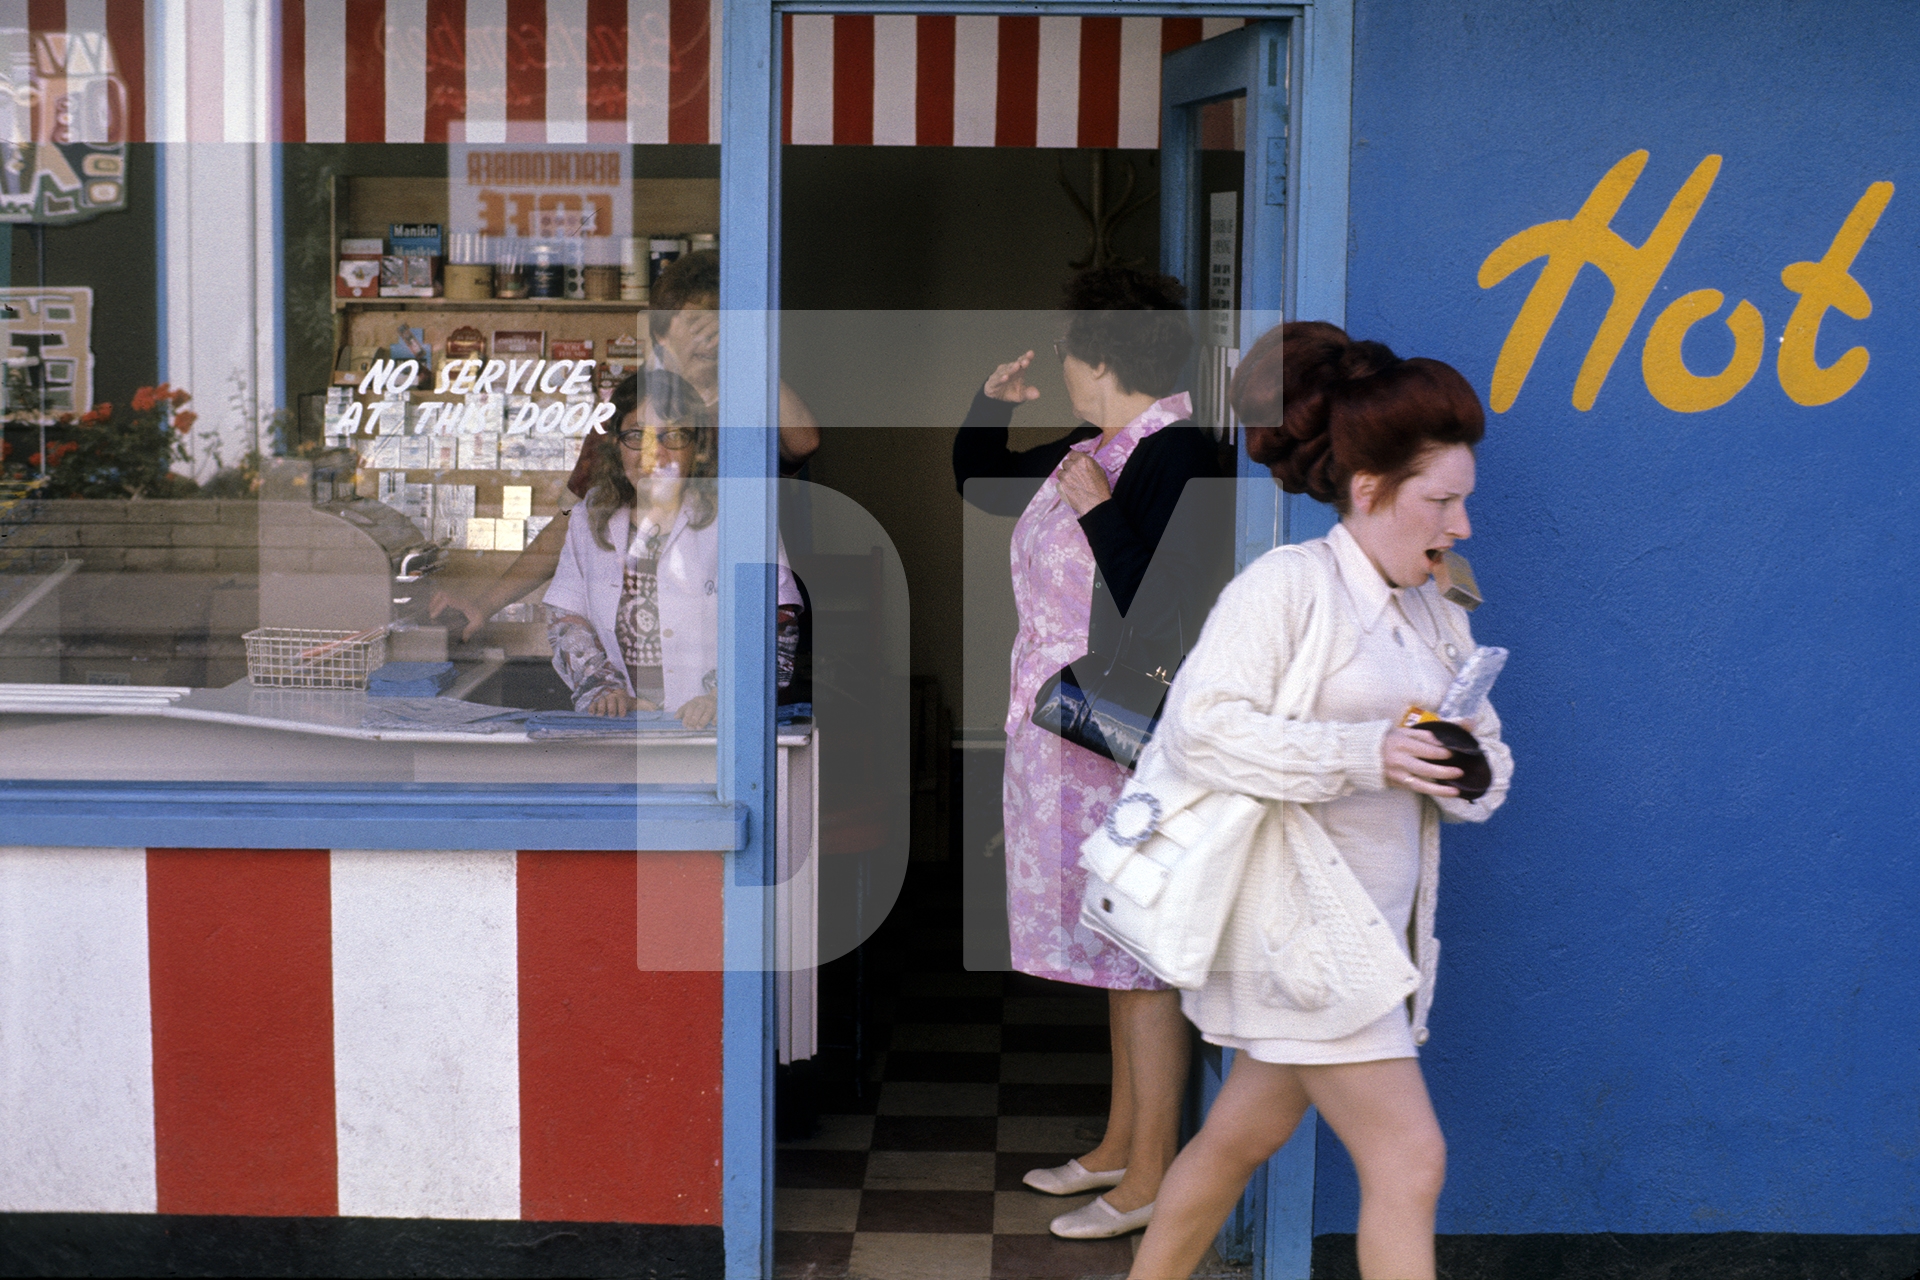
(1420, 1036)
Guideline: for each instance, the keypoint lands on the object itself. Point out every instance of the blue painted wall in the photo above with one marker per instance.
(1680, 989)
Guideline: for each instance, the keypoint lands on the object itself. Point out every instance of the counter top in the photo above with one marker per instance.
(333, 713)
(240, 733)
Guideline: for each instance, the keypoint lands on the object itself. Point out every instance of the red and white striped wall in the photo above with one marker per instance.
(593, 71)
(360, 1033)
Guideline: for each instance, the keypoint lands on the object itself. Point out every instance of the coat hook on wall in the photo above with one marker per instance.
(1103, 220)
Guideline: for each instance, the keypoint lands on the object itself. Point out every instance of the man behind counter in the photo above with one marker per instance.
(684, 324)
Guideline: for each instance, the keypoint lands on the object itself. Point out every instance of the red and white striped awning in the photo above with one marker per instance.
(591, 71)
(980, 81)
(646, 71)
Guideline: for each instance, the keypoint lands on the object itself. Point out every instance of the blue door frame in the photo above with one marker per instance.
(1313, 278)
(1282, 68)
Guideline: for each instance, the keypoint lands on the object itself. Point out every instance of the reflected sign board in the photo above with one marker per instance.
(63, 127)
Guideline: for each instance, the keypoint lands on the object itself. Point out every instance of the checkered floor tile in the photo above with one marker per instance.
(971, 1080)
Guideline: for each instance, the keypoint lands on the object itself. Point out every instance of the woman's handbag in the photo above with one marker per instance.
(1163, 871)
(1112, 712)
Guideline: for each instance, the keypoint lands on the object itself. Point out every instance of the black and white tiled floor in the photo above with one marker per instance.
(973, 1079)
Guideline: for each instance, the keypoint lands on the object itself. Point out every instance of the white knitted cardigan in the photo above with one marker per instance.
(1305, 954)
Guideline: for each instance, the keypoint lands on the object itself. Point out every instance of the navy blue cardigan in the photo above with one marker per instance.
(1129, 533)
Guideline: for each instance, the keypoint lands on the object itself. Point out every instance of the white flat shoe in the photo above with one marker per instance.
(1072, 1178)
(1099, 1220)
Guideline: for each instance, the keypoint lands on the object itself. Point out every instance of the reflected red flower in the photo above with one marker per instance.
(143, 398)
(183, 421)
(178, 397)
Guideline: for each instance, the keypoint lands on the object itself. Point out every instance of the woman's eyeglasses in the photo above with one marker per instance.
(672, 438)
(1060, 350)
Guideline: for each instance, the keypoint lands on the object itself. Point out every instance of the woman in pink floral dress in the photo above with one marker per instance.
(1081, 551)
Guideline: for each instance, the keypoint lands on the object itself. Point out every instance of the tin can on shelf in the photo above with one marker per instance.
(468, 281)
(603, 284)
(662, 252)
(633, 269)
(545, 279)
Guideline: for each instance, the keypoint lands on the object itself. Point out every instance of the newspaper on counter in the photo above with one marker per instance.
(440, 715)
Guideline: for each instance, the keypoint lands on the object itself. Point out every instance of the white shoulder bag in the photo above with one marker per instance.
(1163, 872)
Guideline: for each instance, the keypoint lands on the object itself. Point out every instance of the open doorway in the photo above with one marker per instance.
(908, 273)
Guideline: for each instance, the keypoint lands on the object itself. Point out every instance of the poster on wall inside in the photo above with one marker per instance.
(575, 200)
(63, 127)
(48, 341)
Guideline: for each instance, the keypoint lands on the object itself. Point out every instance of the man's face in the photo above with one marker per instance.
(692, 342)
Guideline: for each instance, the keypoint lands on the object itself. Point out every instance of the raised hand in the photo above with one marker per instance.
(1009, 382)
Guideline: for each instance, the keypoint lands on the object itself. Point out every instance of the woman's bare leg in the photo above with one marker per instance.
(1256, 1111)
(1382, 1113)
(1118, 1142)
(1157, 1051)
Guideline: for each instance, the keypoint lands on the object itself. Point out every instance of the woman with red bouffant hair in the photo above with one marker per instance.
(1296, 695)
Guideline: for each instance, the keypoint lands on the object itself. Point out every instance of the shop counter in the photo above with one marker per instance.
(243, 733)
(241, 1040)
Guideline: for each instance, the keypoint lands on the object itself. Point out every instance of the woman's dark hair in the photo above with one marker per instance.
(1320, 408)
(688, 279)
(1134, 323)
(673, 400)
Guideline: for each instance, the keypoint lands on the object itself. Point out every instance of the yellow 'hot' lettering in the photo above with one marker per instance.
(1678, 387)
(1587, 238)
(1823, 284)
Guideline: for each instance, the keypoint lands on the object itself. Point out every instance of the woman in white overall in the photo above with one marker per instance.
(1295, 694)
(633, 613)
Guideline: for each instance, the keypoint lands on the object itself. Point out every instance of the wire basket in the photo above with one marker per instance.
(290, 658)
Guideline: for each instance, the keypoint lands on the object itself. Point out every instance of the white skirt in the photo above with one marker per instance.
(1388, 1036)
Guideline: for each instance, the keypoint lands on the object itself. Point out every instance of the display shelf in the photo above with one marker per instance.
(559, 305)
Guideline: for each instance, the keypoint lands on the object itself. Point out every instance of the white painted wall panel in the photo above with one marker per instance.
(326, 37)
(1139, 82)
(976, 79)
(76, 1032)
(649, 60)
(813, 78)
(406, 78)
(566, 71)
(714, 60)
(426, 1034)
(1057, 119)
(486, 71)
(896, 81)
